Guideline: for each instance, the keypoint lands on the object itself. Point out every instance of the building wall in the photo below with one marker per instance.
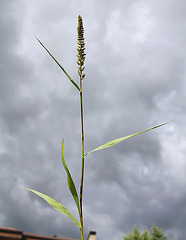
(14, 234)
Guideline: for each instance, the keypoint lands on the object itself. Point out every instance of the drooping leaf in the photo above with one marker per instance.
(70, 182)
(60, 208)
(117, 140)
(72, 81)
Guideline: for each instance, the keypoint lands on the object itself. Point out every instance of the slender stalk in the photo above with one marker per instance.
(82, 160)
(80, 61)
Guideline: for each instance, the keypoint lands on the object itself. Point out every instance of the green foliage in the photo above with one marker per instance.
(154, 234)
(115, 141)
(78, 199)
(70, 181)
(53, 203)
(68, 76)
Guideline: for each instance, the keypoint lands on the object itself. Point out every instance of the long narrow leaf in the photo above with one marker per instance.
(72, 81)
(60, 208)
(70, 182)
(117, 140)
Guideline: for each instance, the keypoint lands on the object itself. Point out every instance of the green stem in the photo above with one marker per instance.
(82, 162)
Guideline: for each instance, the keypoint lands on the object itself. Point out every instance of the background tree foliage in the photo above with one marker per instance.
(155, 234)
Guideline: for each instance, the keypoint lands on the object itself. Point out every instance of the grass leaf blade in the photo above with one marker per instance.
(57, 206)
(70, 181)
(72, 81)
(117, 140)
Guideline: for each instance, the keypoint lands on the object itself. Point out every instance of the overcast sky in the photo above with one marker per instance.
(135, 79)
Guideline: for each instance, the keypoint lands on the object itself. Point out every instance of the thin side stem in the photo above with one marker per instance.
(82, 160)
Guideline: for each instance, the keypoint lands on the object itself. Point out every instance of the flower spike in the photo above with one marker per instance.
(80, 48)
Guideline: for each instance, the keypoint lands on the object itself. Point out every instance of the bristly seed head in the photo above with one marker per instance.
(80, 48)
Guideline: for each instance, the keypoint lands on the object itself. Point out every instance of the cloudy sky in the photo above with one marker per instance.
(135, 79)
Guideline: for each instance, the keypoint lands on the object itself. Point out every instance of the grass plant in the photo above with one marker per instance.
(78, 198)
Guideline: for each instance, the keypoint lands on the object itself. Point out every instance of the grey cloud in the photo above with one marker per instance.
(135, 78)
